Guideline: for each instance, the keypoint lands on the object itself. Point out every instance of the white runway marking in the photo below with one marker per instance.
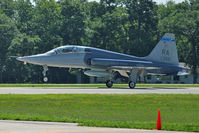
(93, 90)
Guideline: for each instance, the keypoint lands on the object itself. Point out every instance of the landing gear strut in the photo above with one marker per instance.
(44, 73)
(133, 78)
(109, 83)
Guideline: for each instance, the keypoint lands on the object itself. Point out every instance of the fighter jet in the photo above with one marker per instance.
(163, 60)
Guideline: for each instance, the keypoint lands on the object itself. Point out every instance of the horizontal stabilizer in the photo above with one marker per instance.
(182, 73)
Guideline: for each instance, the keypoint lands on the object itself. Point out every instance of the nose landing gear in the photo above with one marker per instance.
(109, 81)
(45, 79)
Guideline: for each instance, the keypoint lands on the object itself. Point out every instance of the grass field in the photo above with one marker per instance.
(178, 112)
(97, 85)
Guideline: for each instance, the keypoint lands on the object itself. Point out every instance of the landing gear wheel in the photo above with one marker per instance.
(109, 83)
(44, 73)
(45, 79)
(132, 84)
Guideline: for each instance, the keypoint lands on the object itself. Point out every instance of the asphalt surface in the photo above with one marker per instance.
(94, 90)
(9, 126)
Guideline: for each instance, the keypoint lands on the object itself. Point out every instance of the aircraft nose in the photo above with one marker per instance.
(22, 58)
(35, 59)
(26, 58)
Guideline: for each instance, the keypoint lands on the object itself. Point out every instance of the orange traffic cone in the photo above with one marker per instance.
(158, 121)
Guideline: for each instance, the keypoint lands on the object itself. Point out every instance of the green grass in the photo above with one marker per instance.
(178, 112)
(98, 85)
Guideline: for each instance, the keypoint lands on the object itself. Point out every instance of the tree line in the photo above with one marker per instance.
(128, 26)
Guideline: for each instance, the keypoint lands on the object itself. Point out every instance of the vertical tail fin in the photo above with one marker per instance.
(165, 51)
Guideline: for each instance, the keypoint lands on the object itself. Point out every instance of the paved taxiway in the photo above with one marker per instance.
(9, 126)
(92, 90)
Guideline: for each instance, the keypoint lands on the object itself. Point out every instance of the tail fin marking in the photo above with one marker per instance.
(165, 51)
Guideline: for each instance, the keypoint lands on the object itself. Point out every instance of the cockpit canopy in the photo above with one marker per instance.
(67, 49)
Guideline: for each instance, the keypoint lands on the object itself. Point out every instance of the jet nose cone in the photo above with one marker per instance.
(28, 59)
(34, 59)
(21, 58)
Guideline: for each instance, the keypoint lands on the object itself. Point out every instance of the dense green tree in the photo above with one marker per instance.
(7, 7)
(95, 10)
(46, 24)
(24, 16)
(185, 24)
(143, 25)
(8, 31)
(128, 26)
(108, 31)
(194, 4)
(73, 22)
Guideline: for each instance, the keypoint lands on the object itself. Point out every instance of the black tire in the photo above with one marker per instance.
(132, 84)
(109, 83)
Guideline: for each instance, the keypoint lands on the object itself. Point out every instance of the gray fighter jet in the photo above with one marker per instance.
(163, 60)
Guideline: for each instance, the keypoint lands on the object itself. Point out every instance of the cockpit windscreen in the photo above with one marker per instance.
(67, 49)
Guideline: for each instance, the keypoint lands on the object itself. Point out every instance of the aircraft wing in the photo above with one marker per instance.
(122, 64)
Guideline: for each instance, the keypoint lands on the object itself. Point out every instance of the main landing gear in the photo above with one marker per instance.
(44, 73)
(109, 83)
(132, 84)
(132, 79)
